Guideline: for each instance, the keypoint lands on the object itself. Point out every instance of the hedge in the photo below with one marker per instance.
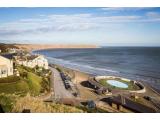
(9, 79)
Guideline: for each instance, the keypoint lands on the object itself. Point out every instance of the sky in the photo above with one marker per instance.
(98, 26)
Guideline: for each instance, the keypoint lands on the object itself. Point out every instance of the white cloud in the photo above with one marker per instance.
(51, 23)
(74, 22)
(125, 8)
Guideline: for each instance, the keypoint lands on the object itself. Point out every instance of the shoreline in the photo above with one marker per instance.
(80, 74)
(65, 48)
(36, 47)
(64, 67)
(77, 73)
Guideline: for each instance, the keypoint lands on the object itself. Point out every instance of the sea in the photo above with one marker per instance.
(136, 63)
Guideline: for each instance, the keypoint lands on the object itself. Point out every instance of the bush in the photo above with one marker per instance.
(7, 101)
(45, 85)
(24, 74)
(28, 102)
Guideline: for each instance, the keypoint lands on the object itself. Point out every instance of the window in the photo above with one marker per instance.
(3, 71)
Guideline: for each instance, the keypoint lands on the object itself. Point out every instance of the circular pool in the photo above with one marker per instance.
(117, 83)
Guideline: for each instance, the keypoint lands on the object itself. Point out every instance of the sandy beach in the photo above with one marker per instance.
(31, 47)
(77, 75)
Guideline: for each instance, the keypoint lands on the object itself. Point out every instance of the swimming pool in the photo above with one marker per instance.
(117, 83)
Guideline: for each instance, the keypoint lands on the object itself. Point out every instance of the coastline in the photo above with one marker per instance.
(64, 67)
(80, 75)
(35, 47)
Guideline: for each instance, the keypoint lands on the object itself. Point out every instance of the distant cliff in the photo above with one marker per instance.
(30, 47)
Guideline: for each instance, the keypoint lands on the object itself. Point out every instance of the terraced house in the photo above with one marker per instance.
(32, 61)
(6, 67)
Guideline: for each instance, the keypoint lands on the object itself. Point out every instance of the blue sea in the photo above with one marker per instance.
(137, 63)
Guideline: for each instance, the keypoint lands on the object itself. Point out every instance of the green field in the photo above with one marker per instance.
(131, 86)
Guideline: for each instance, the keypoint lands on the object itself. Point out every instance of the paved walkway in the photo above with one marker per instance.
(45, 97)
(58, 85)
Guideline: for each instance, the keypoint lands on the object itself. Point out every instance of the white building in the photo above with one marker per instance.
(33, 61)
(6, 67)
(12, 50)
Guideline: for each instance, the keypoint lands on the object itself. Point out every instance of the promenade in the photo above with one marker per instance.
(58, 86)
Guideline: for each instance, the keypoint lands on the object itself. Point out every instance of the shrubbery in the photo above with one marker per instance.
(23, 74)
(7, 101)
(28, 69)
(45, 85)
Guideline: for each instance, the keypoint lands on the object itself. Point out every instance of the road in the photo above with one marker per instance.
(58, 86)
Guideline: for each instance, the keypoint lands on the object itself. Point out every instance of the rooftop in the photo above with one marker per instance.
(129, 104)
(9, 56)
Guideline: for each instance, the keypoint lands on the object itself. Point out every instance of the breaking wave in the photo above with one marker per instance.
(85, 68)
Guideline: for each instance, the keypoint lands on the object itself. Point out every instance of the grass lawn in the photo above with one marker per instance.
(17, 87)
(131, 86)
(34, 83)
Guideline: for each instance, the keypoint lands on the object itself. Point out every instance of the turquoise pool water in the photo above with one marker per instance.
(117, 83)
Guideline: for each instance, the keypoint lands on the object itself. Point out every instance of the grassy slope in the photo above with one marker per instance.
(31, 84)
(14, 103)
(38, 106)
(17, 87)
(34, 83)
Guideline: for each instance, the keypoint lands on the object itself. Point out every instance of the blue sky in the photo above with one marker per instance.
(100, 26)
